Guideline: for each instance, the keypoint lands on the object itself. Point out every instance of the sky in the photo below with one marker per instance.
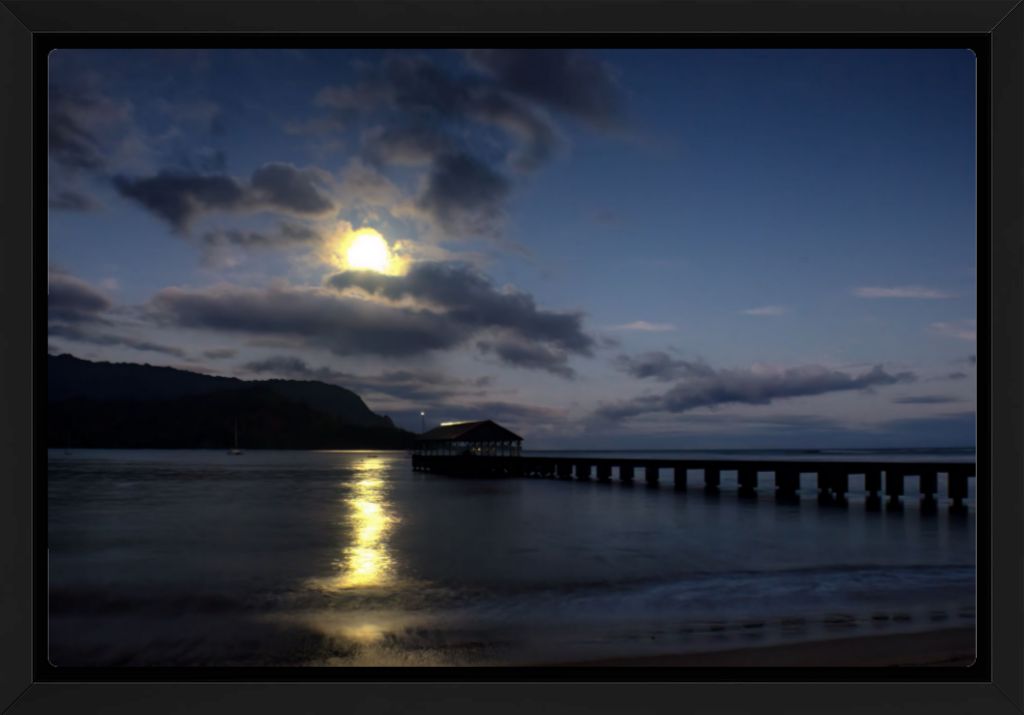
(678, 248)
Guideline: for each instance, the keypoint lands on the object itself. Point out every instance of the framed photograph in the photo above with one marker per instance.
(585, 356)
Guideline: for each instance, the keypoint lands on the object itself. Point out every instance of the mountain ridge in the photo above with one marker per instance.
(105, 404)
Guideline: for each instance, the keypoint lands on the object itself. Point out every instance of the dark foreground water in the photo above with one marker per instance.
(351, 558)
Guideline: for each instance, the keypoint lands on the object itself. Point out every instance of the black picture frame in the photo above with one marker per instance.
(1000, 26)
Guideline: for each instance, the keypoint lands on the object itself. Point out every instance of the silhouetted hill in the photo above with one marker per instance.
(99, 404)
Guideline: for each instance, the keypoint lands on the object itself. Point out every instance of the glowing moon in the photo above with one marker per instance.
(368, 251)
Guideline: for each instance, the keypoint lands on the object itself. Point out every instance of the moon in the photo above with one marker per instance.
(368, 252)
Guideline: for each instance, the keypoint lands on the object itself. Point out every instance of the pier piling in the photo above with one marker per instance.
(873, 487)
(652, 474)
(746, 477)
(957, 486)
(787, 484)
(832, 476)
(712, 479)
(679, 477)
(894, 489)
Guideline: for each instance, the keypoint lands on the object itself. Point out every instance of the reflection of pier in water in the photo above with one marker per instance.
(832, 478)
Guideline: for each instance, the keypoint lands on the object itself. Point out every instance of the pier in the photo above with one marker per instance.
(486, 449)
(884, 481)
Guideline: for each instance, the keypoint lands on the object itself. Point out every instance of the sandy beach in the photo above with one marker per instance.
(951, 647)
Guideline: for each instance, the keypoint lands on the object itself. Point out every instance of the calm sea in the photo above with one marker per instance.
(351, 558)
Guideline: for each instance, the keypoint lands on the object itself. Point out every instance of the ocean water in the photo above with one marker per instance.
(199, 558)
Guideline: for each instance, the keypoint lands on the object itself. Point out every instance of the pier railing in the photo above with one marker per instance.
(881, 478)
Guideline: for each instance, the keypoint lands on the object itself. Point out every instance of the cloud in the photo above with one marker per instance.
(924, 400)
(314, 127)
(645, 327)
(361, 183)
(449, 125)
(80, 120)
(463, 196)
(72, 300)
(531, 356)
(89, 131)
(469, 298)
(912, 292)
(220, 246)
(202, 112)
(77, 311)
(569, 81)
(711, 388)
(526, 420)
(435, 306)
(220, 353)
(412, 385)
(406, 144)
(71, 200)
(430, 105)
(961, 330)
(765, 310)
(537, 137)
(179, 197)
(660, 366)
(81, 335)
(284, 187)
(311, 316)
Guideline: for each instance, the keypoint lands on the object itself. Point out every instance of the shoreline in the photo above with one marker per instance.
(949, 647)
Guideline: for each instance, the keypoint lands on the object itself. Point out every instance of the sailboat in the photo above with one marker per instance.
(235, 450)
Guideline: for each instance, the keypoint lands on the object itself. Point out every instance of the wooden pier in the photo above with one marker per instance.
(832, 478)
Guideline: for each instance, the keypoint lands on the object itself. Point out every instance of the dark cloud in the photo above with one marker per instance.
(527, 420)
(405, 144)
(750, 387)
(314, 127)
(79, 312)
(202, 113)
(71, 200)
(220, 246)
(421, 114)
(179, 197)
(78, 118)
(284, 187)
(419, 86)
(958, 375)
(414, 385)
(316, 317)
(72, 300)
(286, 234)
(434, 307)
(220, 353)
(470, 299)
(569, 81)
(537, 137)
(289, 366)
(362, 183)
(82, 335)
(531, 356)
(463, 196)
(925, 400)
(661, 366)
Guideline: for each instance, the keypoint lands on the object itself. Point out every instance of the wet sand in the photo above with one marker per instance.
(951, 647)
